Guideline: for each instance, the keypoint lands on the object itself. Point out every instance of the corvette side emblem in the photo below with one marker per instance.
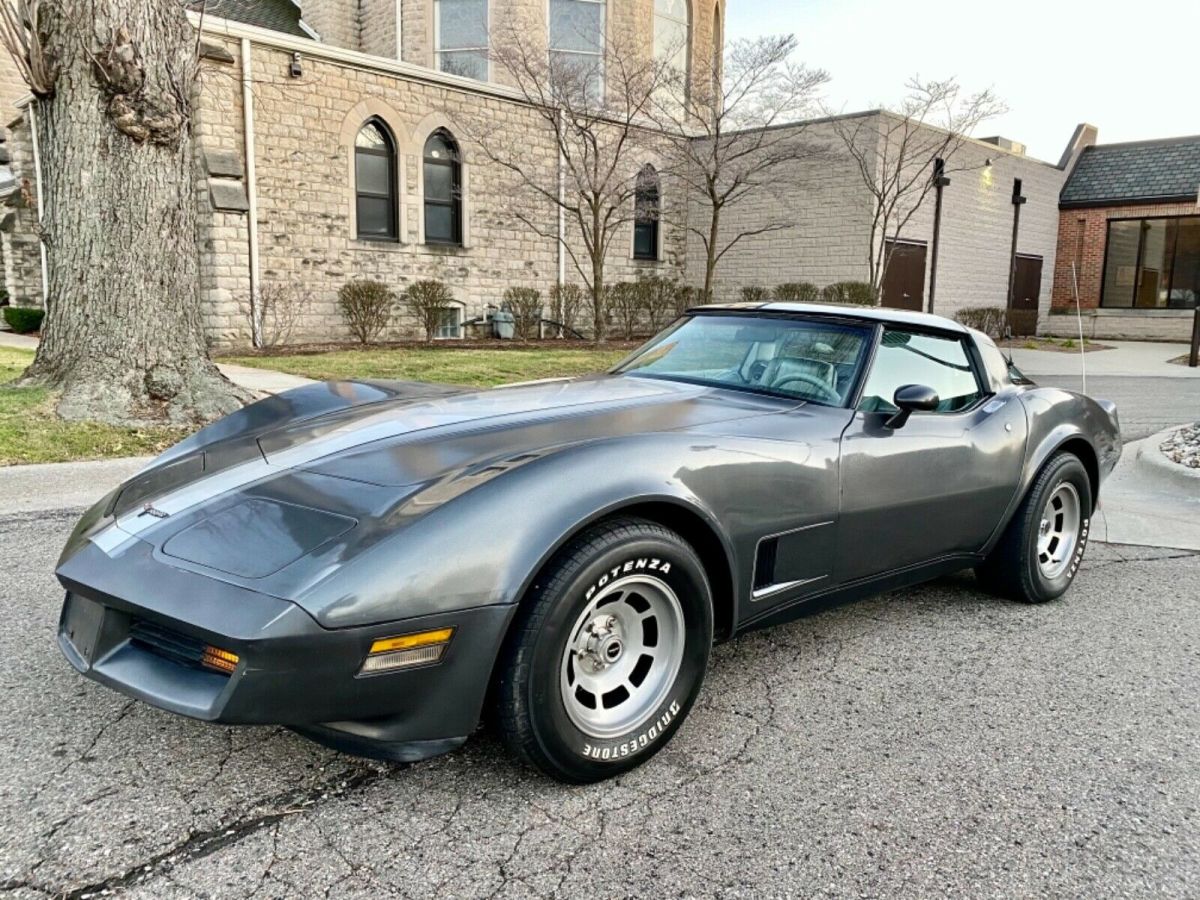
(149, 510)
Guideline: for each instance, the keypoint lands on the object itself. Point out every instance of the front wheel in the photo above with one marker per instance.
(608, 653)
(1040, 551)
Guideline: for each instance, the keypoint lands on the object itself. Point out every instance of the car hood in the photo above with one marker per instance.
(285, 506)
(394, 443)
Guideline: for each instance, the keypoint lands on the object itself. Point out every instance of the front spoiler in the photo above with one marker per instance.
(291, 672)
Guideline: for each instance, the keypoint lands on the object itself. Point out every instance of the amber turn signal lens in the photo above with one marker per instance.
(409, 641)
(220, 660)
(405, 650)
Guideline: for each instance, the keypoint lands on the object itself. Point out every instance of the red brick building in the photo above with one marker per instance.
(1129, 237)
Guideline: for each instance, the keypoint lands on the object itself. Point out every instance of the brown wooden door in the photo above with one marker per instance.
(1027, 290)
(904, 280)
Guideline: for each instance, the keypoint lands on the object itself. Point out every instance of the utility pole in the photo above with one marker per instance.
(939, 182)
(1017, 200)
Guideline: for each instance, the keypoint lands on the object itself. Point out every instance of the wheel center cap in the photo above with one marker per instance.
(611, 649)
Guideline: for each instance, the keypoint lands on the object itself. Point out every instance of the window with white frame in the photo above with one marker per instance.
(461, 37)
(449, 323)
(577, 44)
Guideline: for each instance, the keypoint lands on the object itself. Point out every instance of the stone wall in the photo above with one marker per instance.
(304, 138)
(336, 21)
(377, 27)
(12, 89)
(19, 241)
(224, 236)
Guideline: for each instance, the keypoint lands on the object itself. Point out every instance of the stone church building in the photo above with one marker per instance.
(336, 142)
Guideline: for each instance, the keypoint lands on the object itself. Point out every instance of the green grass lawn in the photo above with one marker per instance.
(31, 433)
(468, 366)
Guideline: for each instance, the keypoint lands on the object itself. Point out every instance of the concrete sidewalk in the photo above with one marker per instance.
(1149, 501)
(259, 381)
(1135, 359)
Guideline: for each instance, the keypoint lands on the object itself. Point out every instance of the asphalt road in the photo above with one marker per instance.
(1145, 405)
(931, 742)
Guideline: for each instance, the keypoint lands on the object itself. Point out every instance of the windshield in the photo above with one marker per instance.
(806, 359)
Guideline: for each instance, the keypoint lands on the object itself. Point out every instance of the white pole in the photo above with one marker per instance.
(251, 192)
(37, 177)
(1079, 319)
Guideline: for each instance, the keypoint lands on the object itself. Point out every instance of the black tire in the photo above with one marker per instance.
(533, 715)
(1014, 569)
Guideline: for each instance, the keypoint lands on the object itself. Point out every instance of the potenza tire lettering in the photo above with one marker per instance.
(383, 567)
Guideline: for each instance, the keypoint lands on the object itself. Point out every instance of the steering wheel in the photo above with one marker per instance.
(822, 386)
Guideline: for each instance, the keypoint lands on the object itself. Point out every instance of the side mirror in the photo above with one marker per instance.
(911, 398)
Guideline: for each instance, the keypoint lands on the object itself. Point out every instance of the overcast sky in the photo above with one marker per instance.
(1130, 68)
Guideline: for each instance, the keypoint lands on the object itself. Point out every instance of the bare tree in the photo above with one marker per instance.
(113, 86)
(722, 124)
(598, 118)
(895, 153)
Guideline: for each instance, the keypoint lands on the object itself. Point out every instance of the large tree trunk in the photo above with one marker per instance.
(123, 338)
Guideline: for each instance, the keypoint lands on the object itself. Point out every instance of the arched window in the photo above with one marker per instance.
(443, 190)
(461, 37)
(577, 43)
(375, 182)
(647, 212)
(673, 32)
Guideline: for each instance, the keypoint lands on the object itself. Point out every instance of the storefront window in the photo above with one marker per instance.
(1152, 263)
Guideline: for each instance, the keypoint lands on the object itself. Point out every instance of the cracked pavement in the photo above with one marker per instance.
(933, 741)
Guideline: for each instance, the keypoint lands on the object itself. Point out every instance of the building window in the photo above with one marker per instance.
(1152, 263)
(672, 33)
(375, 183)
(449, 323)
(443, 190)
(461, 37)
(577, 45)
(647, 212)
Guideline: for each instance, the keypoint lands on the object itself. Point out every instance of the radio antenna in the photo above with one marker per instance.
(1079, 319)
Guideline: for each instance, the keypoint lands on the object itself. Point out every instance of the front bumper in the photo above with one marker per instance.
(291, 671)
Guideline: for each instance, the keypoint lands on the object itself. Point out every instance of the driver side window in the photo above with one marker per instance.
(906, 357)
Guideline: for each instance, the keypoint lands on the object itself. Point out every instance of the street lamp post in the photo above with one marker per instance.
(939, 182)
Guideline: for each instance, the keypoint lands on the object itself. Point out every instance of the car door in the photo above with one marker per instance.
(939, 484)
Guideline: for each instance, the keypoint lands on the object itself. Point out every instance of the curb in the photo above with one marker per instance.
(1152, 463)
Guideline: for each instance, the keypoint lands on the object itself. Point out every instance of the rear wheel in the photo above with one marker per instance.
(608, 653)
(1040, 551)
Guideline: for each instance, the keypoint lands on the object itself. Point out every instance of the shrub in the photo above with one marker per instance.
(857, 293)
(659, 299)
(24, 319)
(426, 300)
(626, 301)
(755, 294)
(367, 308)
(686, 297)
(991, 320)
(566, 302)
(525, 303)
(797, 292)
(280, 307)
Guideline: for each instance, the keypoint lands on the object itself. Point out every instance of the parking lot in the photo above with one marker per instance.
(934, 741)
